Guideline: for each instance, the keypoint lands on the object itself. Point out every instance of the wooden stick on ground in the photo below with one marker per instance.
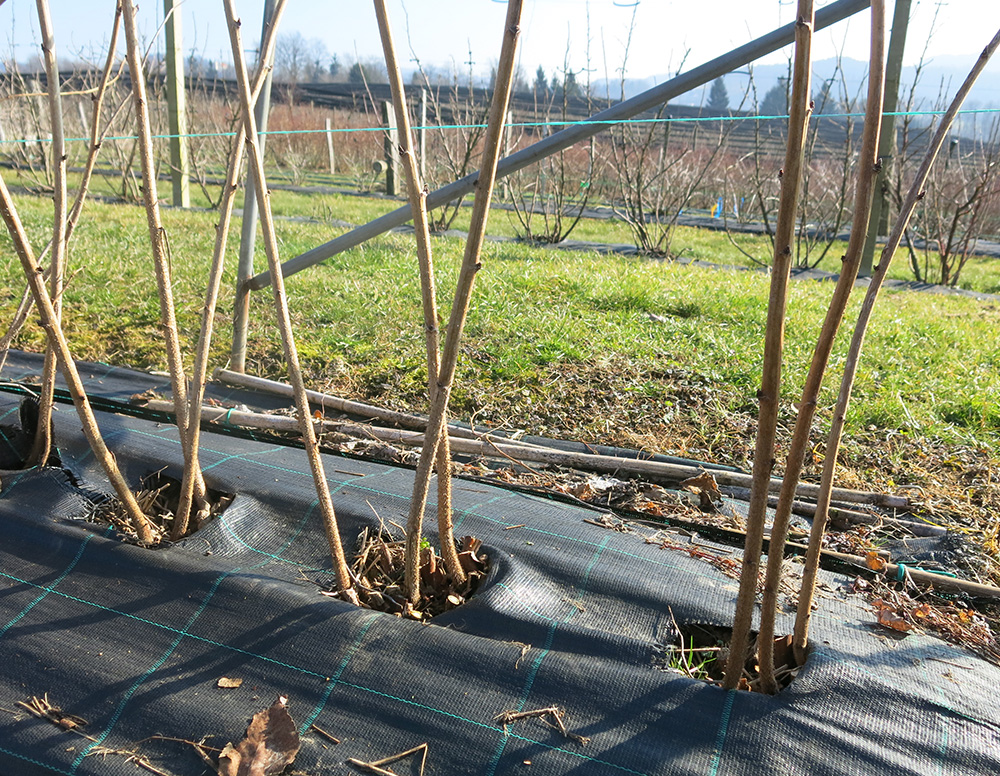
(158, 239)
(33, 273)
(658, 471)
(867, 172)
(42, 444)
(463, 293)
(200, 368)
(401, 419)
(915, 194)
(418, 204)
(281, 308)
(770, 392)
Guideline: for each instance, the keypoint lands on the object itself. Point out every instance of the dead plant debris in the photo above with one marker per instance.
(375, 766)
(44, 709)
(378, 573)
(553, 716)
(158, 498)
(902, 609)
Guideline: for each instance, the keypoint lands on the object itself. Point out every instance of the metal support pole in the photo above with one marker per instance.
(390, 147)
(887, 137)
(562, 140)
(176, 106)
(248, 231)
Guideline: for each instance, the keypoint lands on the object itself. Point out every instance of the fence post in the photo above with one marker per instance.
(176, 109)
(391, 150)
(879, 222)
(423, 135)
(329, 146)
(84, 122)
(248, 230)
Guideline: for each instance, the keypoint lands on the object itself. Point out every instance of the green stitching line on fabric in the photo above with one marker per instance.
(543, 653)
(335, 679)
(120, 709)
(49, 588)
(943, 748)
(33, 761)
(720, 738)
(487, 726)
(295, 535)
(308, 672)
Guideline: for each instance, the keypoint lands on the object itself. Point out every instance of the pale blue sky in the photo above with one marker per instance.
(441, 31)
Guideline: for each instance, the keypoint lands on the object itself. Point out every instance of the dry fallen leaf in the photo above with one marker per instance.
(706, 488)
(889, 618)
(226, 683)
(271, 744)
(874, 561)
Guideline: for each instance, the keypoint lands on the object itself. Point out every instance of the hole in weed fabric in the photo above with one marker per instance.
(16, 441)
(700, 651)
(158, 497)
(379, 569)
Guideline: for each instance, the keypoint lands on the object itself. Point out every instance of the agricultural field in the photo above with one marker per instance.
(639, 352)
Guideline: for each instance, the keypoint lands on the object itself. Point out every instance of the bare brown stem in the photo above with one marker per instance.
(33, 274)
(915, 194)
(867, 173)
(770, 392)
(281, 306)
(463, 294)
(42, 444)
(158, 239)
(418, 203)
(200, 369)
(96, 137)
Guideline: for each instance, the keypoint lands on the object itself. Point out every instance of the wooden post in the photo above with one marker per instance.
(34, 87)
(329, 146)
(508, 137)
(84, 121)
(422, 135)
(879, 223)
(176, 106)
(391, 150)
(248, 230)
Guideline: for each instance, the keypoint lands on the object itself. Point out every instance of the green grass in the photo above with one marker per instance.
(538, 318)
(601, 348)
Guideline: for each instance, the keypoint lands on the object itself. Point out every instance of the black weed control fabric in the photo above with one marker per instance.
(134, 641)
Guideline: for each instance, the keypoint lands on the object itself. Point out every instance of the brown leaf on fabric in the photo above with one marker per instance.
(874, 561)
(271, 744)
(706, 488)
(227, 683)
(888, 617)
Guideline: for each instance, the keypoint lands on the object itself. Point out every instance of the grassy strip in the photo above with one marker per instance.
(602, 348)
(980, 274)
